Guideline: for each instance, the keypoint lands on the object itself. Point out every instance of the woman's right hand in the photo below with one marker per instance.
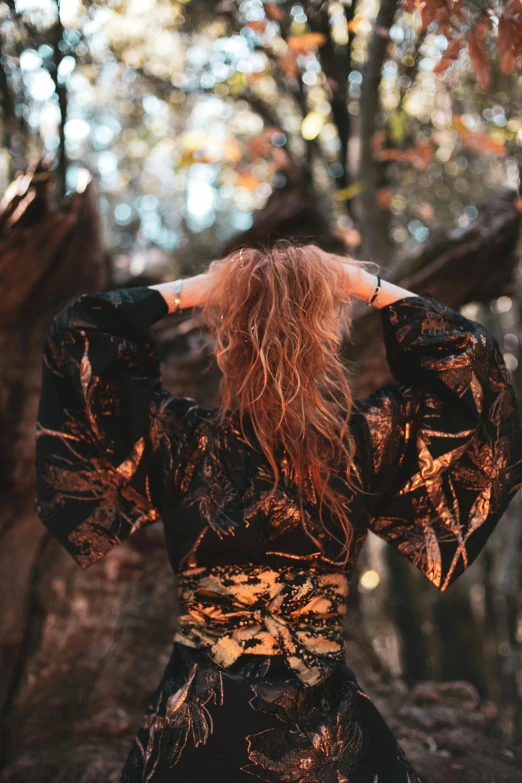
(351, 267)
(361, 283)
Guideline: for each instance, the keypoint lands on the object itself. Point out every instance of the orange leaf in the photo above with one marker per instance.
(377, 141)
(247, 181)
(480, 61)
(302, 43)
(259, 25)
(232, 151)
(274, 12)
(518, 204)
(482, 141)
(430, 12)
(504, 37)
(506, 45)
(425, 211)
(481, 26)
(280, 157)
(390, 154)
(451, 53)
(458, 124)
(288, 64)
(354, 24)
(351, 237)
(420, 156)
(459, 12)
(384, 197)
(259, 146)
(508, 62)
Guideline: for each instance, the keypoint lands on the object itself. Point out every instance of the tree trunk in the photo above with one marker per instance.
(372, 218)
(47, 256)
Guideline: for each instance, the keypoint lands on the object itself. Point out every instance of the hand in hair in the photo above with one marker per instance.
(360, 283)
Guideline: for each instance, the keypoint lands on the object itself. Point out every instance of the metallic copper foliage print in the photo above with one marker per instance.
(263, 593)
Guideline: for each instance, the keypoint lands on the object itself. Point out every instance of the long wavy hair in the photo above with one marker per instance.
(277, 316)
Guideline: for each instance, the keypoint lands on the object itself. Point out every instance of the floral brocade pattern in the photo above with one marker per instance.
(257, 685)
(233, 611)
(328, 733)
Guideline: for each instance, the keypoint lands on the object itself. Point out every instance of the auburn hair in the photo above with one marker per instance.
(278, 316)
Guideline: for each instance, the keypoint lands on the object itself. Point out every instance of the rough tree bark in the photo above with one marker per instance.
(372, 219)
(47, 254)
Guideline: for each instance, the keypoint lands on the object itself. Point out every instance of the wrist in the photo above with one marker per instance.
(194, 290)
(192, 294)
(361, 283)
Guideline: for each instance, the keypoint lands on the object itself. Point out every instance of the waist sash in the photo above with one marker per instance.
(235, 610)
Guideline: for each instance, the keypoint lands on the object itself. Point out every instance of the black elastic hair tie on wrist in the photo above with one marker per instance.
(377, 289)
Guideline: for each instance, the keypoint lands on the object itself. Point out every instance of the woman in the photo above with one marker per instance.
(267, 499)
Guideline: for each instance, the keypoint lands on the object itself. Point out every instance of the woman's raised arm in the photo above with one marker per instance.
(193, 291)
(361, 284)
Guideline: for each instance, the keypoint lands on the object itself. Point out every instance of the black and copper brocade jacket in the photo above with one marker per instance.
(439, 454)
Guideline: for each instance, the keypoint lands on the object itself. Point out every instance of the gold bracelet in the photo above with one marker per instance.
(177, 298)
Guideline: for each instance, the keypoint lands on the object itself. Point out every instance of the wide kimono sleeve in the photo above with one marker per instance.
(445, 439)
(111, 442)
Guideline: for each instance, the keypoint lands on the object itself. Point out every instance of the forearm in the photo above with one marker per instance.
(362, 285)
(193, 290)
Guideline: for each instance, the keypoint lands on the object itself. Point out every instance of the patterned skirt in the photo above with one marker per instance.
(257, 720)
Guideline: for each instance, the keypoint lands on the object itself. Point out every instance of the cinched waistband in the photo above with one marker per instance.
(235, 610)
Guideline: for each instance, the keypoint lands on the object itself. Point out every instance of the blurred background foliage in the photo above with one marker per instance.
(190, 115)
(390, 131)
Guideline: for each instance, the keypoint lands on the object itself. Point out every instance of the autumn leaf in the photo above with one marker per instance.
(425, 211)
(440, 11)
(508, 62)
(420, 156)
(350, 237)
(430, 12)
(482, 141)
(280, 158)
(247, 181)
(480, 61)
(259, 25)
(451, 54)
(506, 45)
(259, 146)
(274, 12)
(384, 197)
(483, 23)
(518, 204)
(458, 124)
(305, 42)
(444, 12)
(288, 64)
(233, 152)
(390, 154)
(377, 141)
(351, 191)
(355, 24)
